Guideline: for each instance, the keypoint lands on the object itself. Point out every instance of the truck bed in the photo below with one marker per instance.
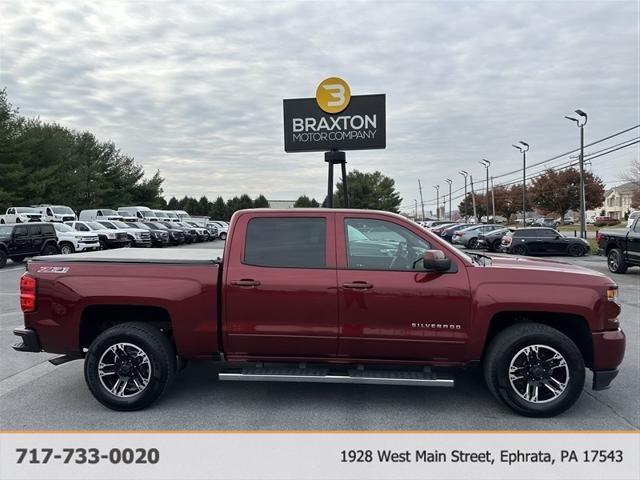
(141, 255)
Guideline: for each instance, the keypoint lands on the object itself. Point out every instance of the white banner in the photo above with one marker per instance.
(318, 455)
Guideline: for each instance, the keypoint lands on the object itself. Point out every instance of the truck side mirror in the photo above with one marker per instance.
(435, 261)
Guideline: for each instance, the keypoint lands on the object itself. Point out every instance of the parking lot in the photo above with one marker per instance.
(37, 395)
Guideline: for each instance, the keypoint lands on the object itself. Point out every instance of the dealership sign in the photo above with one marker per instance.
(334, 120)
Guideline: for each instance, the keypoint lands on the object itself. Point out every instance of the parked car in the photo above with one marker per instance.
(162, 215)
(289, 291)
(213, 230)
(99, 214)
(448, 232)
(621, 246)
(172, 216)
(56, 213)
(144, 214)
(493, 240)
(21, 215)
(435, 223)
(543, 241)
(176, 236)
(18, 242)
(159, 237)
(438, 229)
(605, 221)
(108, 238)
(182, 215)
(567, 220)
(203, 232)
(632, 218)
(469, 236)
(547, 222)
(190, 233)
(222, 227)
(139, 237)
(71, 240)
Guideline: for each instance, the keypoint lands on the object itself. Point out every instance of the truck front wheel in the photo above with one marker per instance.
(536, 370)
(129, 366)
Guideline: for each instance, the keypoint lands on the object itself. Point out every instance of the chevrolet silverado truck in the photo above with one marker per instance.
(621, 247)
(324, 295)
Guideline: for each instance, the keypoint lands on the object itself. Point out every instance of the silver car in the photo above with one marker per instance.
(469, 236)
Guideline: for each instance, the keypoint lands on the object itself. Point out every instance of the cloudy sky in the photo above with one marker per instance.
(195, 89)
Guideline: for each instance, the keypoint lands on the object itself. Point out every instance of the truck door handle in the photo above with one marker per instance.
(245, 282)
(358, 285)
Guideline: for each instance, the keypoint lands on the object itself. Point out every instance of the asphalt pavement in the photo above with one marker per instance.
(37, 395)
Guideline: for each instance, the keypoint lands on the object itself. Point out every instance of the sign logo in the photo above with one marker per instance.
(333, 95)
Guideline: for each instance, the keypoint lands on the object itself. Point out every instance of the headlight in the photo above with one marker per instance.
(612, 294)
(111, 236)
(137, 235)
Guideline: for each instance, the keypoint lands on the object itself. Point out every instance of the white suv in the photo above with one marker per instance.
(632, 218)
(70, 240)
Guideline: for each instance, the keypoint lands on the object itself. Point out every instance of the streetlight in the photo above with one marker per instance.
(449, 181)
(581, 124)
(486, 163)
(437, 187)
(464, 173)
(523, 147)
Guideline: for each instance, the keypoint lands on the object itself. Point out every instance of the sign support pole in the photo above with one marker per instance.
(334, 157)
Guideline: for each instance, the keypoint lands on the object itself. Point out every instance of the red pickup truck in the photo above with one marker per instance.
(320, 295)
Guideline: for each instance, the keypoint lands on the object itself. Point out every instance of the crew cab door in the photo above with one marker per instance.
(279, 289)
(22, 242)
(633, 243)
(388, 308)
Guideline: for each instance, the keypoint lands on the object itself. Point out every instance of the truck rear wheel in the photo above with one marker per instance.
(536, 370)
(129, 366)
(615, 261)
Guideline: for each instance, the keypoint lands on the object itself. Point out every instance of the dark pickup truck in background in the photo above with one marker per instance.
(621, 247)
(325, 295)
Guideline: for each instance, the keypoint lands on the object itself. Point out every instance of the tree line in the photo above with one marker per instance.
(555, 191)
(44, 162)
(218, 209)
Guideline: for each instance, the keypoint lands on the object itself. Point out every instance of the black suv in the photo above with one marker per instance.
(27, 240)
(543, 241)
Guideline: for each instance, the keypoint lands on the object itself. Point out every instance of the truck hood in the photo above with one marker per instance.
(529, 263)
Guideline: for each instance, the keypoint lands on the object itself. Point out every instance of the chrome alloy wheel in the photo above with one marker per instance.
(614, 261)
(538, 373)
(124, 370)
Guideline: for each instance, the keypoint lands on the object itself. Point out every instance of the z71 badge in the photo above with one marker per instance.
(53, 270)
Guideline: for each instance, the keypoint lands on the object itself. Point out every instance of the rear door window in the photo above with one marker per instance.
(34, 230)
(286, 242)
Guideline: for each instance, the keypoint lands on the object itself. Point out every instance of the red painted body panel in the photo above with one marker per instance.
(307, 314)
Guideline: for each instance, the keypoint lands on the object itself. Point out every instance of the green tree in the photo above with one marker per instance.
(261, 202)
(373, 191)
(218, 210)
(305, 202)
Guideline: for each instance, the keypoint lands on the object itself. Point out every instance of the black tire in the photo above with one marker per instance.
(49, 249)
(66, 248)
(508, 344)
(223, 236)
(472, 244)
(495, 246)
(3, 258)
(161, 357)
(519, 250)
(575, 250)
(615, 261)
(103, 244)
(18, 220)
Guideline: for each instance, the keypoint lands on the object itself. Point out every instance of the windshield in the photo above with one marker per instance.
(26, 210)
(160, 214)
(5, 229)
(171, 215)
(62, 210)
(147, 213)
(61, 227)
(95, 226)
(157, 226)
(119, 224)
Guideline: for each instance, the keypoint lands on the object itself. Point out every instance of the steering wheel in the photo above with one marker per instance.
(401, 258)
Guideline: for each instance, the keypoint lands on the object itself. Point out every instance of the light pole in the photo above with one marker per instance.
(421, 200)
(493, 202)
(449, 181)
(486, 163)
(523, 147)
(465, 174)
(581, 124)
(437, 187)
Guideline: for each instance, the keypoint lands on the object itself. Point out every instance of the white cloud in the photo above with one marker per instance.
(195, 89)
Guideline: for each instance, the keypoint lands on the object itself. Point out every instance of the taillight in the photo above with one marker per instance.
(28, 293)
(506, 240)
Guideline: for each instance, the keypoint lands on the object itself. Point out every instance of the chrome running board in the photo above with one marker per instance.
(318, 375)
